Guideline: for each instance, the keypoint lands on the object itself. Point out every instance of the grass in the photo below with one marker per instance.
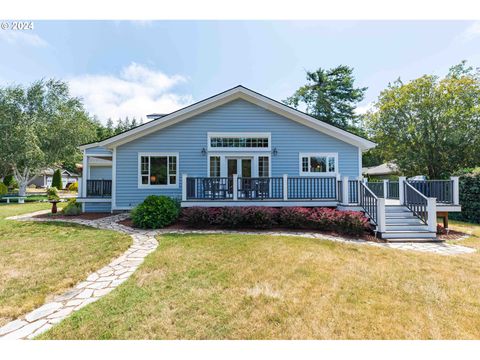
(266, 287)
(38, 260)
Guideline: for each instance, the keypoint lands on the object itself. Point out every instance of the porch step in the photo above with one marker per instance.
(411, 220)
(396, 209)
(404, 227)
(409, 234)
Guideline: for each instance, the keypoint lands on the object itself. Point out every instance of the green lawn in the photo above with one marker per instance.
(266, 287)
(38, 260)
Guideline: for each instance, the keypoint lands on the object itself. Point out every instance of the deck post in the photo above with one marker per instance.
(80, 187)
(455, 190)
(385, 189)
(285, 187)
(401, 194)
(235, 187)
(345, 199)
(184, 187)
(432, 214)
(381, 215)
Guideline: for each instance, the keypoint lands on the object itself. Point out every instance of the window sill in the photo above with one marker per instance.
(175, 186)
(306, 174)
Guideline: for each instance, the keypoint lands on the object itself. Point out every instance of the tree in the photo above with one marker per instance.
(430, 125)
(57, 179)
(40, 126)
(329, 96)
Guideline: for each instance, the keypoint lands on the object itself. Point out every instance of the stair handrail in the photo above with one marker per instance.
(370, 207)
(419, 208)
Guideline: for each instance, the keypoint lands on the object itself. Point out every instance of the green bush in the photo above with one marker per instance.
(57, 179)
(3, 189)
(72, 208)
(155, 212)
(73, 186)
(10, 182)
(52, 193)
(469, 196)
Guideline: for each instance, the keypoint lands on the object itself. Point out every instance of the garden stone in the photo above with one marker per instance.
(43, 311)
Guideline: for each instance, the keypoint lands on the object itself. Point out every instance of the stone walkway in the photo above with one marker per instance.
(93, 288)
(109, 277)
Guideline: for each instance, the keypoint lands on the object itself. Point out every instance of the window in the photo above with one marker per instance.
(159, 170)
(263, 166)
(239, 141)
(318, 164)
(214, 166)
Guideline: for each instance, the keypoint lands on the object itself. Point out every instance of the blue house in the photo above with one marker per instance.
(236, 148)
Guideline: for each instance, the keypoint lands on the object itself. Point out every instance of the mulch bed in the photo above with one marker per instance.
(84, 216)
(452, 235)
(181, 226)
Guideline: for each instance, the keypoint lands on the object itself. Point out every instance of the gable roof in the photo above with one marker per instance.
(238, 92)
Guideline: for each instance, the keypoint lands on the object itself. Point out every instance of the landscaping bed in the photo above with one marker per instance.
(83, 216)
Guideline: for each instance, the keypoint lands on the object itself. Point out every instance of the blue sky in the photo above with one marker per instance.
(129, 68)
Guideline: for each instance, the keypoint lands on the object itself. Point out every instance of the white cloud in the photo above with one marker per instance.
(135, 92)
(363, 109)
(22, 37)
(472, 31)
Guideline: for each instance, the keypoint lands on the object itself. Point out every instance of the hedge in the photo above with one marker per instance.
(325, 219)
(155, 212)
(469, 191)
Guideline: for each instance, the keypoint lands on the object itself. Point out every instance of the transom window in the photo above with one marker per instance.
(238, 141)
(234, 142)
(158, 170)
(318, 164)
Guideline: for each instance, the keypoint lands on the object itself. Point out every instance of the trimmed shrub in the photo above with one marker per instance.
(3, 189)
(57, 179)
(325, 219)
(52, 193)
(293, 217)
(155, 212)
(73, 186)
(259, 217)
(72, 208)
(10, 182)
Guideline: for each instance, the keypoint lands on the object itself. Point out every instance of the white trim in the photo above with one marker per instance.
(238, 92)
(239, 135)
(315, 154)
(84, 174)
(162, 154)
(94, 200)
(114, 177)
(448, 208)
(99, 155)
(278, 203)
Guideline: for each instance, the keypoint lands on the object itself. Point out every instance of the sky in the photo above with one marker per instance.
(133, 68)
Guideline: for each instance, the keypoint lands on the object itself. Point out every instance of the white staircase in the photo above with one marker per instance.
(401, 225)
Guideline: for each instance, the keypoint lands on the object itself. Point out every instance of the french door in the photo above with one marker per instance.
(241, 166)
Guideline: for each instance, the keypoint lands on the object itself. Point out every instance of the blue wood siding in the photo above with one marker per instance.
(98, 207)
(99, 150)
(100, 173)
(190, 136)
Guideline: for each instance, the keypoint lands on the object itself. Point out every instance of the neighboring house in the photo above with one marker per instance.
(382, 171)
(44, 180)
(237, 148)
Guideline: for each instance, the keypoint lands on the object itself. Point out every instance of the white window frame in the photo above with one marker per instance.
(159, 186)
(309, 155)
(240, 135)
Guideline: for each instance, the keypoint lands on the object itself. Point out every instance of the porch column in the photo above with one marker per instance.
(455, 190)
(184, 187)
(432, 214)
(385, 189)
(401, 194)
(84, 174)
(345, 199)
(381, 215)
(285, 187)
(235, 187)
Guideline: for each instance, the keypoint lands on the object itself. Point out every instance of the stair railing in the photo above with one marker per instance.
(373, 206)
(425, 208)
(416, 202)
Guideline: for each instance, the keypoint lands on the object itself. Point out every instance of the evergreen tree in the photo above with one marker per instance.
(57, 179)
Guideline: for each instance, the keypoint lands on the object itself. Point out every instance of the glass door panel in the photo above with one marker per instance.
(246, 168)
